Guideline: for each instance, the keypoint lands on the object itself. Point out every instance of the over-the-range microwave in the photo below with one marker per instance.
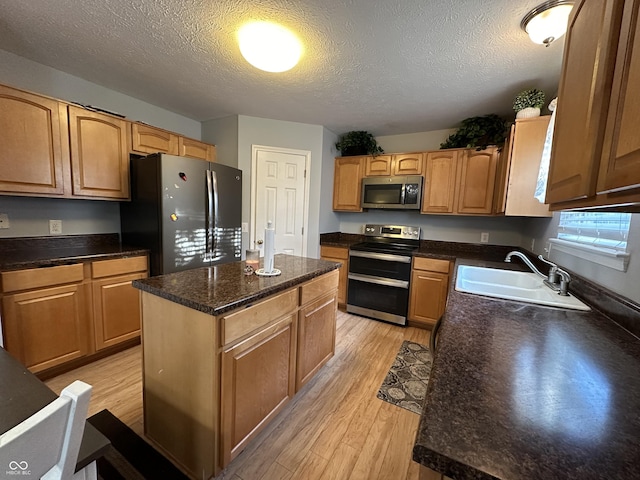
(402, 192)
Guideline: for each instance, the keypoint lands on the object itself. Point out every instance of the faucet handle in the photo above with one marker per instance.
(548, 262)
(552, 277)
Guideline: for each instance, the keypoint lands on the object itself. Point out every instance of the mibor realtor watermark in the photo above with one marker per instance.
(18, 467)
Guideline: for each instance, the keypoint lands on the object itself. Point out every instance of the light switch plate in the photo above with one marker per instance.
(245, 227)
(4, 220)
(55, 227)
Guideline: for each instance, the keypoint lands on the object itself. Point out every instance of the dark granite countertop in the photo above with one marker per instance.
(34, 252)
(519, 391)
(222, 288)
(22, 394)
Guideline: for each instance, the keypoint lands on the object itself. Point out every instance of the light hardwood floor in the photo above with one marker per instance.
(335, 428)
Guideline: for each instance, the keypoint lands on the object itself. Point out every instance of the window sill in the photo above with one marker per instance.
(607, 257)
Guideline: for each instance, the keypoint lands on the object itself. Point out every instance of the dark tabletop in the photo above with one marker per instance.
(222, 288)
(519, 391)
(22, 394)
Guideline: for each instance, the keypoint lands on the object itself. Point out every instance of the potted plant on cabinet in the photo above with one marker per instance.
(478, 132)
(528, 103)
(358, 142)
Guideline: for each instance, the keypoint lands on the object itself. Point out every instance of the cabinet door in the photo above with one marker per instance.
(620, 165)
(316, 337)
(257, 382)
(477, 181)
(347, 184)
(502, 174)
(379, 165)
(583, 99)
(195, 149)
(99, 154)
(341, 255)
(47, 327)
(116, 310)
(33, 139)
(146, 139)
(427, 297)
(408, 164)
(528, 143)
(440, 181)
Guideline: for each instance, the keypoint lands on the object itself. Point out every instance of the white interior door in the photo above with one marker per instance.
(280, 195)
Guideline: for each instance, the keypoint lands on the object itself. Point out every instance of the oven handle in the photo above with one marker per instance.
(379, 281)
(381, 256)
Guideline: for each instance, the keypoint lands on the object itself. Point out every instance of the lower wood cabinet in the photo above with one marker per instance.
(428, 294)
(341, 255)
(57, 314)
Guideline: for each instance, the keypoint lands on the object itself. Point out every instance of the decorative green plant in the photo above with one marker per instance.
(358, 142)
(529, 98)
(479, 132)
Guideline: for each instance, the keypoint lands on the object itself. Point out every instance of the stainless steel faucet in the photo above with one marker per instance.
(557, 279)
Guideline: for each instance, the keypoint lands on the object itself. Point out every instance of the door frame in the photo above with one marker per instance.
(254, 185)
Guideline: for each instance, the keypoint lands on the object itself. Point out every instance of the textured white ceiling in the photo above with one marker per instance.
(385, 66)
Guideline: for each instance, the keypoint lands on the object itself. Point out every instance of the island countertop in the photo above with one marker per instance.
(222, 288)
(520, 391)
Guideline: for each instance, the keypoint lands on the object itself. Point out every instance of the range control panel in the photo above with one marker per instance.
(392, 231)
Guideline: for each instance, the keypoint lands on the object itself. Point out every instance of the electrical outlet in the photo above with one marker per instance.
(55, 227)
(4, 220)
(484, 237)
(533, 243)
(245, 227)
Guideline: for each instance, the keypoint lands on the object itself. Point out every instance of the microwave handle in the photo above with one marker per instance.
(402, 193)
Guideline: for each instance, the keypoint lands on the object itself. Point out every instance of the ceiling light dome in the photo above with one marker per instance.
(547, 22)
(269, 46)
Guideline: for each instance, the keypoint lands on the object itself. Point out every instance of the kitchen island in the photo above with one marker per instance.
(520, 391)
(223, 353)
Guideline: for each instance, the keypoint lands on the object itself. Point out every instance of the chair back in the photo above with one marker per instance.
(46, 444)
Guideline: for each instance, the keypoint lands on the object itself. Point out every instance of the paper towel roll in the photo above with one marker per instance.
(269, 247)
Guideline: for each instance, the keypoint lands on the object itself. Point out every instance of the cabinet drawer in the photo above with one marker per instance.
(320, 286)
(431, 264)
(118, 266)
(41, 277)
(241, 322)
(334, 252)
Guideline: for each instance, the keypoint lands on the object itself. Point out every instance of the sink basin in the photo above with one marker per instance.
(512, 285)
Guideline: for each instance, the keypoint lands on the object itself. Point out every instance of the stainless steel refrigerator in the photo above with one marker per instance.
(187, 212)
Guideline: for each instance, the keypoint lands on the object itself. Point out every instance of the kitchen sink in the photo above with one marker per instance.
(512, 285)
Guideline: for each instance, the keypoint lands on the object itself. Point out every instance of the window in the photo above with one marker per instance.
(594, 236)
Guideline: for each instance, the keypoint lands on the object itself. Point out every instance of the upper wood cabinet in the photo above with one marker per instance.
(519, 167)
(33, 143)
(99, 154)
(441, 168)
(407, 164)
(460, 181)
(188, 147)
(147, 139)
(378, 165)
(595, 157)
(347, 183)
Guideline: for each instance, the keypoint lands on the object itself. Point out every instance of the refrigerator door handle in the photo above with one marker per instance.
(209, 221)
(214, 212)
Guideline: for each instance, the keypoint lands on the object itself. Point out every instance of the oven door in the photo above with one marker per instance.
(385, 265)
(381, 298)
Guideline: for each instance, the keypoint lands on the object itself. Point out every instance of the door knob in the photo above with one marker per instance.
(259, 242)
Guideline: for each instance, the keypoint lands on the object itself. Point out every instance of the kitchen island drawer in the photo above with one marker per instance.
(118, 266)
(17, 280)
(244, 321)
(431, 264)
(320, 286)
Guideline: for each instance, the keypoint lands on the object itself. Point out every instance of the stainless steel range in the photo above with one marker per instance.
(379, 272)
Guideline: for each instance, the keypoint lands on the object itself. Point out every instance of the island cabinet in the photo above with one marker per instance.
(340, 255)
(460, 181)
(33, 143)
(595, 159)
(347, 183)
(45, 312)
(212, 383)
(428, 291)
(518, 169)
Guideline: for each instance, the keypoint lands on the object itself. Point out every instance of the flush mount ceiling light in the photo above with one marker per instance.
(547, 22)
(269, 46)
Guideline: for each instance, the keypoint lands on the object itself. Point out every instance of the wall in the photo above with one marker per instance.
(329, 220)
(413, 142)
(277, 133)
(223, 132)
(30, 216)
(623, 283)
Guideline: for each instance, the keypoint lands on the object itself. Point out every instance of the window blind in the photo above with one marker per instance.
(605, 230)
